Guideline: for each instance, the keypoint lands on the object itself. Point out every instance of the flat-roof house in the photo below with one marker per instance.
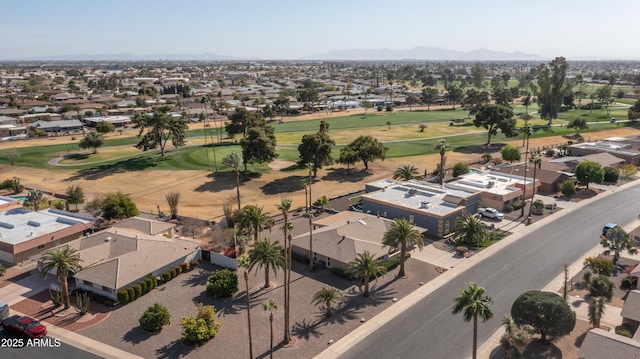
(617, 149)
(550, 175)
(57, 126)
(337, 239)
(117, 121)
(118, 257)
(498, 189)
(426, 205)
(25, 233)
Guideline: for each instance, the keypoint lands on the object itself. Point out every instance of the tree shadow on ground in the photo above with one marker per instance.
(480, 149)
(377, 296)
(175, 349)
(197, 277)
(346, 175)
(539, 349)
(137, 335)
(127, 165)
(306, 330)
(284, 185)
(218, 182)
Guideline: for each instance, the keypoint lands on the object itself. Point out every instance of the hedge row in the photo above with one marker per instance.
(137, 290)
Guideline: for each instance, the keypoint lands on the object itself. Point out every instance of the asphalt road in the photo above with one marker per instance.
(47, 350)
(429, 330)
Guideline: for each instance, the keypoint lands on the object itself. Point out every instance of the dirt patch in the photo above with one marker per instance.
(278, 165)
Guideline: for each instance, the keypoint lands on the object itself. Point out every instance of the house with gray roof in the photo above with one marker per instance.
(57, 126)
(599, 344)
(118, 257)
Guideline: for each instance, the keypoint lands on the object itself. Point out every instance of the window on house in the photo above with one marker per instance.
(315, 257)
(41, 246)
(328, 262)
(446, 227)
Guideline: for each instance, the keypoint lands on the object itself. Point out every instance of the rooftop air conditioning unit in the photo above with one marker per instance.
(425, 204)
(491, 184)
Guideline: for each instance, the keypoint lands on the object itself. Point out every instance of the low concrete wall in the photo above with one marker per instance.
(224, 261)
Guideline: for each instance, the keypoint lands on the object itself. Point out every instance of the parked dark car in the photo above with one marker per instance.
(25, 326)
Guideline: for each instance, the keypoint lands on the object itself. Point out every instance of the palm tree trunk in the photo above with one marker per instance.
(271, 336)
(287, 280)
(524, 188)
(64, 288)
(475, 336)
(366, 286)
(238, 188)
(266, 277)
(246, 284)
(403, 252)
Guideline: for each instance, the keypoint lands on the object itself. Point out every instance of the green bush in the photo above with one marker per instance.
(341, 273)
(626, 282)
(550, 152)
(518, 205)
(460, 168)
(537, 208)
(611, 174)
(178, 269)
(149, 282)
(143, 285)
(8, 183)
(222, 283)
(600, 265)
(389, 108)
(166, 276)
(154, 318)
(109, 303)
(173, 273)
(201, 328)
(138, 288)
(568, 187)
(299, 257)
(625, 330)
(123, 296)
(391, 263)
(132, 294)
(461, 250)
(509, 208)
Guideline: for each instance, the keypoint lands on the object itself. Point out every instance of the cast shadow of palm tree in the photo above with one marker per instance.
(123, 166)
(284, 185)
(137, 335)
(197, 277)
(377, 296)
(219, 182)
(307, 329)
(346, 175)
(175, 349)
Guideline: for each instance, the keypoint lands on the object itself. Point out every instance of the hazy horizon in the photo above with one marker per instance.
(292, 30)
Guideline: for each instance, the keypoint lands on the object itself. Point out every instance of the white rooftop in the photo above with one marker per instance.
(423, 196)
(19, 225)
(494, 182)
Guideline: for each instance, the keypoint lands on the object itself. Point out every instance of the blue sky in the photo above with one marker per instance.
(292, 29)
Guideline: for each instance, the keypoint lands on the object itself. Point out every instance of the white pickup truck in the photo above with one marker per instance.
(490, 213)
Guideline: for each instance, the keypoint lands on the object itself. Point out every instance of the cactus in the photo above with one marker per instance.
(56, 298)
(84, 303)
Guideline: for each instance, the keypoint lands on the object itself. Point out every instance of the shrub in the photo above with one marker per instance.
(154, 279)
(626, 282)
(625, 330)
(611, 174)
(178, 269)
(600, 265)
(518, 205)
(138, 288)
(143, 285)
(389, 108)
(166, 276)
(154, 318)
(222, 283)
(193, 263)
(123, 296)
(550, 152)
(461, 250)
(201, 328)
(184, 267)
(538, 207)
(379, 108)
(132, 294)
(587, 277)
(391, 263)
(173, 273)
(509, 208)
(149, 283)
(460, 168)
(568, 187)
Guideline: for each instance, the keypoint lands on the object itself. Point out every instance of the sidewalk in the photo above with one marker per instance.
(344, 344)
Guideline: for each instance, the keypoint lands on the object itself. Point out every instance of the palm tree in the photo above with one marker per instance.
(268, 255)
(474, 303)
(245, 263)
(442, 147)
(402, 234)
(536, 159)
(285, 206)
(233, 160)
(528, 131)
(469, 229)
(365, 267)
(34, 197)
(61, 261)
(596, 310)
(515, 336)
(406, 173)
(252, 220)
(326, 296)
(271, 306)
(616, 241)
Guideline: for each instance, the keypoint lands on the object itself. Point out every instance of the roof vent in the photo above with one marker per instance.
(362, 222)
(108, 239)
(425, 204)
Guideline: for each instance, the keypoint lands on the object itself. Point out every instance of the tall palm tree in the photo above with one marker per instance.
(365, 267)
(309, 216)
(268, 255)
(245, 262)
(61, 261)
(271, 306)
(474, 303)
(528, 131)
(75, 195)
(326, 296)
(285, 206)
(406, 173)
(442, 148)
(253, 219)
(471, 230)
(203, 118)
(402, 234)
(596, 310)
(233, 160)
(536, 159)
(34, 197)
(616, 241)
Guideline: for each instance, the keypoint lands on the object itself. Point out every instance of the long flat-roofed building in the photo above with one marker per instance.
(498, 189)
(25, 233)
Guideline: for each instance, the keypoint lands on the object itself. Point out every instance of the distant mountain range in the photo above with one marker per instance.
(425, 53)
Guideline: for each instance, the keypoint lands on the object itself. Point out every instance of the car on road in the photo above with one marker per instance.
(608, 227)
(490, 213)
(25, 326)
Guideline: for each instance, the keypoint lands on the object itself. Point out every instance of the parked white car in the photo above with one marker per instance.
(490, 213)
